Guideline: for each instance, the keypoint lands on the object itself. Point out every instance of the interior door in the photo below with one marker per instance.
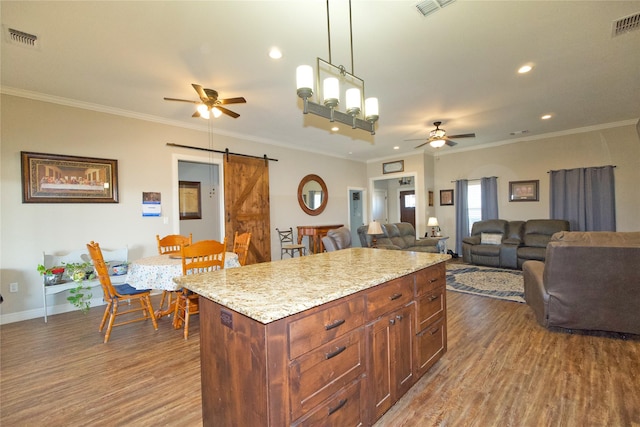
(356, 215)
(408, 207)
(246, 201)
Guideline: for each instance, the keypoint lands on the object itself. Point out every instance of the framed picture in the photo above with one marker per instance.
(53, 178)
(446, 197)
(523, 191)
(189, 200)
(430, 198)
(392, 167)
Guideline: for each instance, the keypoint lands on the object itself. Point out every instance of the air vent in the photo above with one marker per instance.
(21, 38)
(430, 6)
(626, 24)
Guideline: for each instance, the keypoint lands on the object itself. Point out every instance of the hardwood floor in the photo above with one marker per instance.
(501, 369)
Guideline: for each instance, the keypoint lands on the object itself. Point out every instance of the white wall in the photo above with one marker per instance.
(144, 164)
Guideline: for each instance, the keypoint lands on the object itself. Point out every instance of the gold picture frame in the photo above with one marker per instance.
(55, 178)
(189, 200)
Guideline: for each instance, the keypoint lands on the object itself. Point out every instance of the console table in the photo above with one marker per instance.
(331, 339)
(315, 234)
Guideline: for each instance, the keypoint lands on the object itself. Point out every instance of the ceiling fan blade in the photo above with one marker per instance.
(417, 139)
(228, 112)
(424, 143)
(211, 94)
(196, 114)
(182, 100)
(203, 96)
(238, 100)
(451, 143)
(464, 135)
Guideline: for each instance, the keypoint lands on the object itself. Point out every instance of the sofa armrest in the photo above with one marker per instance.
(472, 240)
(535, 293)
(426, 241)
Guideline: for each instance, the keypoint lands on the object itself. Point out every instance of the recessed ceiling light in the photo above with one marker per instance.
(546, 117)
(396, 148)
(525, 69)
(275, 53)
(335, 129)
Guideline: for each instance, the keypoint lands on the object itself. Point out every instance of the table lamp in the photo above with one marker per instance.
(433, 223)
(374, 230)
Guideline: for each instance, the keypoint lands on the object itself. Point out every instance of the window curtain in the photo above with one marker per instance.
(489, 196)
(462, 218)
(585, 197)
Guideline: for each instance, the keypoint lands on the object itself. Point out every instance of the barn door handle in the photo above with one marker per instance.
(228, 217)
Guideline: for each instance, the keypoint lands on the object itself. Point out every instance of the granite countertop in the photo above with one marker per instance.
(273, 290)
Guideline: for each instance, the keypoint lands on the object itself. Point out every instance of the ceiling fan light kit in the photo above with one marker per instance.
(438, 137)
(334, 76)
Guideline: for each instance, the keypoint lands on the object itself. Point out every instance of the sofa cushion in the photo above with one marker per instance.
(491, 238)
(341, 236)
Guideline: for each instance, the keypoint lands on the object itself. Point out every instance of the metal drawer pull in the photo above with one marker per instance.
(433, 297)
(334, 324)
(338, 406)
(336, 352)
(395, 296)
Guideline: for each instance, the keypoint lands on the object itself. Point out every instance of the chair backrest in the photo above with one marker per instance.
(341, 237)
(241, 246)
(101, 270)
(202, 256)
(286, 236)
(171, 244)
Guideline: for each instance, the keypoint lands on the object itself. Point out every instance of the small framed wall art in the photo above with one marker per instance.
(392, 167)
(523, 191)
(446, 197)
(189, 200)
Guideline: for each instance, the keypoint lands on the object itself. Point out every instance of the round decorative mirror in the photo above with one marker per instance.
(312, 194)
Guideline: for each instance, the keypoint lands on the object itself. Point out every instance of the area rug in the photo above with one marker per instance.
(486, 281)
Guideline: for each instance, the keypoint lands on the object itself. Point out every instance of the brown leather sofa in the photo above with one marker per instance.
(589, 281)
(398, 236)
(336, 239)
(508, 244)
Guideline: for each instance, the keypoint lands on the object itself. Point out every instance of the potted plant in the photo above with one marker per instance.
(52, 275)
(80, 296)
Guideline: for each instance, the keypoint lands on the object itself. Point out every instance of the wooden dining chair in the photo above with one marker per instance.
(241, 246)
(170, 245)
(199, 257)
(113, 294)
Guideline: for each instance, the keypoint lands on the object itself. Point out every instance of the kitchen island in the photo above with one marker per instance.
(333, 338)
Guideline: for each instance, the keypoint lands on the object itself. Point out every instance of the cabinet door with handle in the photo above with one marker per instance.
(390, 340)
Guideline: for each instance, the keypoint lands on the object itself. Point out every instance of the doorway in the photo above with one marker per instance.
(356, 213)
(408, 207)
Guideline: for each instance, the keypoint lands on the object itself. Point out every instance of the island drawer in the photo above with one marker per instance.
(325, 325)
(390, 296)
(430, 307)
(317, 375)
(431, 343)
(345, 409)
(430, 278)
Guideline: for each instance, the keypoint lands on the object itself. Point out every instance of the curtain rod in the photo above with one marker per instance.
(475, 179)
(226, 151)
(592, 167)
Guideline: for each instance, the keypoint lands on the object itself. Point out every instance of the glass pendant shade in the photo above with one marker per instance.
(216, 113)
(353, 100)
(304, 77)
(331, 90)
(203, 110)
(371, 108)
(437, 143)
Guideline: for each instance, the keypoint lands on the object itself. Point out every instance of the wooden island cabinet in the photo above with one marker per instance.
(332, 339)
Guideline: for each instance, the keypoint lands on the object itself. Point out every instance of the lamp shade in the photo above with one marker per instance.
(203, 110)
(432, 222)
(331, 90)
(437, 143)
(304, 77)
(371, 108)
(374, 228)
(353, 99)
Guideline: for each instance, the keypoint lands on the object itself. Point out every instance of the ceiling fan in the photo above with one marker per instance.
(438, 137)
(210, 104)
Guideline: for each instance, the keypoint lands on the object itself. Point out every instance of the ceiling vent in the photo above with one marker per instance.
(21, 38)
(626, 24)
(430, 6)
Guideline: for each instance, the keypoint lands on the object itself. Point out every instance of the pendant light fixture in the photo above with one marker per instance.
(336, 76)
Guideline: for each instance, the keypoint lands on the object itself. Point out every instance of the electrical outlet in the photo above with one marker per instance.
(13, 287)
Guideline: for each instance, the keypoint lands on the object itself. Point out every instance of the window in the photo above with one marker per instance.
(410, 201)
(474, 203)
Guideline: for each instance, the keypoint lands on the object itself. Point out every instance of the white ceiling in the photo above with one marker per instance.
(457, 65)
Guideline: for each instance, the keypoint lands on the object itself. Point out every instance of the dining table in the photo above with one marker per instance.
(157, 272)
